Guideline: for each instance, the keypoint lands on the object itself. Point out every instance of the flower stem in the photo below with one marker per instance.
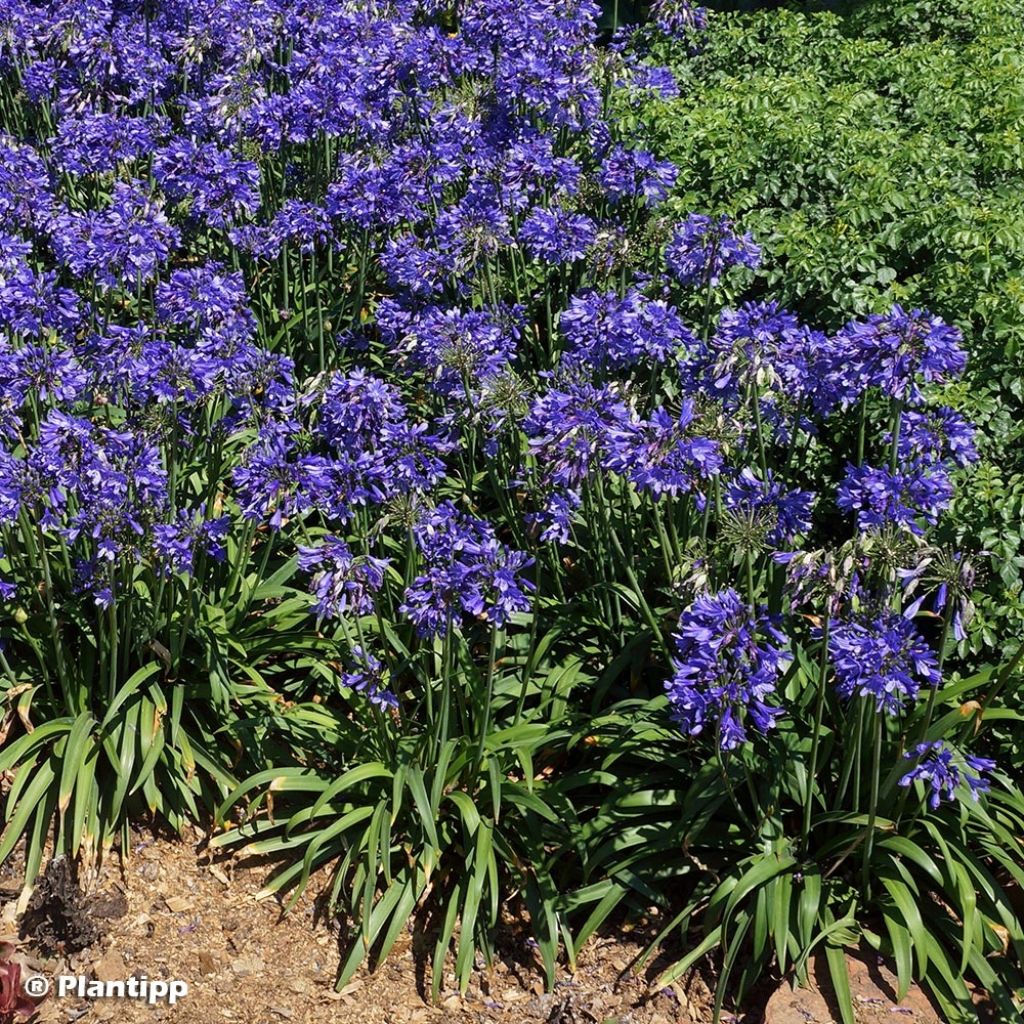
(819, 714)
(876, 771)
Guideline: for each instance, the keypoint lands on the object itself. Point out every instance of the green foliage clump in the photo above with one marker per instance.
(873, 171)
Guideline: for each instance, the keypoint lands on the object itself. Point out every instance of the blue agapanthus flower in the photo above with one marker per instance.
(883, 659)
(554, 520)
(703, 248)
(42, 371)
(467, 572)
(567, 429)
(129, 240)
(175, 544)
(943, 769)
(895, 351)
(276, 481)
(663, 454)
(679, 18)
(728, 660)
(659, 80)
(935, 435)
(342, 583)
(366, 674)
(458, 348)
(902, 497)
(557, 236)
(791, 510)
(604, 330)
(636, 174)
(945, 586)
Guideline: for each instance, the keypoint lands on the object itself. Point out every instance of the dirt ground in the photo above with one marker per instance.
(174, 913)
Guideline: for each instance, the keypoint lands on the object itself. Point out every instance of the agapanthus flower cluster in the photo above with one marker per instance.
(789, 511)
(457, 348)
(32, 303)
(177, 543)
(608, 331)
(467, 572)
(568, 427)
(883, 659)
(93, 484)
(897, 351)
(935, 435)
(378, 451)
(636, 174)
(96, 142)
(277, 480)
(665, 454)
(943, 582)
(943, 769)
(216, 187)
(128, 241)
(367, 675)
(679, 18)
(728, 661)
(879, 496)
(703, 248)
(764, 349)
(557, 236)
(343, 584)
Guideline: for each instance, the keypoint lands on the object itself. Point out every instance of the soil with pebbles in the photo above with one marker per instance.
(172, 912)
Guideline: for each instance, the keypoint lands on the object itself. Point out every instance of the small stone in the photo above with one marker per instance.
(176, 904)
(110, 906)
(219, 875)
(246, 966)
(207, 964)
(280, 1011)
(109, 967)
(299, 986)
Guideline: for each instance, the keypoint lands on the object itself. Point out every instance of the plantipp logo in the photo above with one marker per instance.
(142, 988)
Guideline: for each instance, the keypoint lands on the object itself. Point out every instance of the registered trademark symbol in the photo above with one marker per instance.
(36, 986)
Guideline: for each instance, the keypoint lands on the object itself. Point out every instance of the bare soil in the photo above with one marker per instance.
(173, 912)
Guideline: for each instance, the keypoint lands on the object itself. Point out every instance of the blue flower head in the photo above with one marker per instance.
(703, 248)
(728, 659)
(944, 769)
(883, 659)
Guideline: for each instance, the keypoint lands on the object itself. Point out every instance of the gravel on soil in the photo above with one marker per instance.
(173, 913)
